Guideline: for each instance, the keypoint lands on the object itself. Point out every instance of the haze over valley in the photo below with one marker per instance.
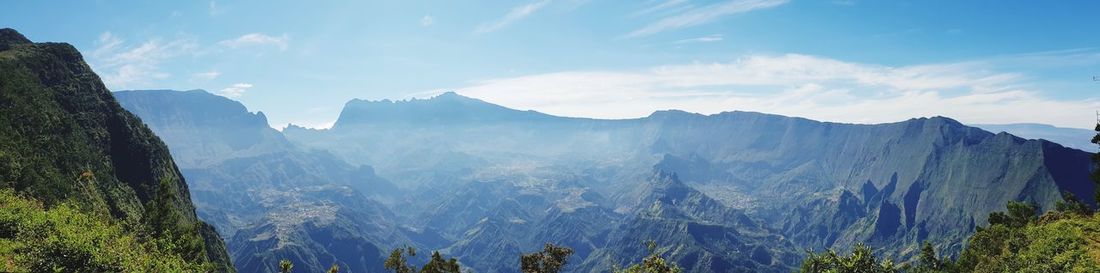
(549, 136)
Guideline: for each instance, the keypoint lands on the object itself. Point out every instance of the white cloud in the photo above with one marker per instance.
(257, 39)
(705, 14)
(795, 85)
(427, 21)
(235, 91)
(704, 39)
(516, 14)
(206, 76)
(123, 67)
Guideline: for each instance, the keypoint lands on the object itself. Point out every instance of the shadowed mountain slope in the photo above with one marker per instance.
(63, 137)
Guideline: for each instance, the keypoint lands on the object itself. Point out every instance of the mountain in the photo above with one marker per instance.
(448, 108)
(700, 234)
(65, 139)
(213, 129)
(271, 199)
(816, 184)
(1069, 137)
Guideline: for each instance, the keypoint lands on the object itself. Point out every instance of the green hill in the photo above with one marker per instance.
(66, 142)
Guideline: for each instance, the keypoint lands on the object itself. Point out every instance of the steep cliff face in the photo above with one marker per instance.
(203, 129)
(63, 137)
(270, 199)
(893, 185)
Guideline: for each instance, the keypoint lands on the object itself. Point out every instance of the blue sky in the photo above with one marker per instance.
(848, 61)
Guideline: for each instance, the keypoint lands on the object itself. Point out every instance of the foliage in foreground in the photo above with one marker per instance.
(860, 260)
(66, 239)
(550, 260)
(1064, 240)
(398, 263)
(653, 263)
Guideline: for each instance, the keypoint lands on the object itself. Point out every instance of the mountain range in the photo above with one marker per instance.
(728, 192)
(735, 191)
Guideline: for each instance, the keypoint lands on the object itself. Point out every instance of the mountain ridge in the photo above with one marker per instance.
(841, 183)
(66, 139)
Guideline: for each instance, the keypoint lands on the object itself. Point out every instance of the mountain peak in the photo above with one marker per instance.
(9, 37)
(446, 108)
(196, 106)
(449, 94)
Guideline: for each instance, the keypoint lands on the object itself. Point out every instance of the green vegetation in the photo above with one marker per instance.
(399, 263)
(285, 266)
(63, 238)
(92, 189)
(860, 260)
(1063, 240)
(1056, 242)
(550, 260)
(653, 263)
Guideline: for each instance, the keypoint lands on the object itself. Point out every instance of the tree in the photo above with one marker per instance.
(1072, 204)
(861, 260)
(1057, 244)
(654, 263)
(397, 261)
(438, 265)
(285, 266)
(1019, 215)
(164, 220)
(550, 260)
(1096, 164)
(928, 261)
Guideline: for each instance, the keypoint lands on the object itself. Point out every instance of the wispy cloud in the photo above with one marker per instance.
(257, 39)
(235, 90)
(704, 14)
(704, 39)
(427, 21)
(124, 67)
(796, 85)
(516, 14)
(662, 6)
